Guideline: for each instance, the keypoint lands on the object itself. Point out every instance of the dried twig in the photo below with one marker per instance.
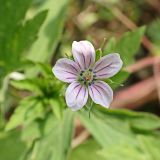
(145, 62)
(156, 69)
(136, 95)
(155, 4)
(131, 25)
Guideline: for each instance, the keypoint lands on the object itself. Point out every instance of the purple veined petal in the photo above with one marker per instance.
(76, 96)
(108, 66)
(83, 53)
(101, 93)
(66, 70)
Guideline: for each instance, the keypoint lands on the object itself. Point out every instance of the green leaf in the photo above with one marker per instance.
(150, 145)
(152, 31)
(148, 149)
(98, 54)
(16, 34)
(26, 84)
(127, 46)
(110, 46)
(87, 150)
(26, 34)
(124, 151)
(50, 32)
(109, 121)
(107, 130)
(139, 120)
(31, 132)
(10, 146)
(57, 142)
(28, 110)
(118, 79)
(121, 132)
(19, 114)
(57, 108)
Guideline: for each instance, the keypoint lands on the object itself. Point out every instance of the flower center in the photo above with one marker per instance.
(86, 77)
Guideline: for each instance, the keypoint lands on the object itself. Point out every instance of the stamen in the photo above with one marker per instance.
(87, 77)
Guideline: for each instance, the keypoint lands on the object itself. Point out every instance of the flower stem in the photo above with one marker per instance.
(89, 106)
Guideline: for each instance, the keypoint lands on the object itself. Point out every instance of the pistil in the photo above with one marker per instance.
(87, 77)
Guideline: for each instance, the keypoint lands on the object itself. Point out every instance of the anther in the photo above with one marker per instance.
(81, 73)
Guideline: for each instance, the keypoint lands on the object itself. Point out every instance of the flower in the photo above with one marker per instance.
(85, 75)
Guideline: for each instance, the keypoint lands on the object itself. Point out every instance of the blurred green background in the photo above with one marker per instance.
(35, 123)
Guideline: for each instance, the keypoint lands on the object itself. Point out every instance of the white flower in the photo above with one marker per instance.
(85, 75)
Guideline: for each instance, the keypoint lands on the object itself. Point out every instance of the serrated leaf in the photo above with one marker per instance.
(16, 34)
(29, 110)
(114, 132)
(110, 120)
(19, 114)
(55, 145)
(25, 35)
(127, 46)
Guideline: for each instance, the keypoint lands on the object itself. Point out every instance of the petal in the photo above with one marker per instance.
(108, 66)
(76, 96)
(83, 53)
(66, 70)
(101, 93)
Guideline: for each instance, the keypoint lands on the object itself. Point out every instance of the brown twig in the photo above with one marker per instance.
(136, 95)
(145, 62)
(155, 4)
(131, 25)
(128, 23)
(156, 69)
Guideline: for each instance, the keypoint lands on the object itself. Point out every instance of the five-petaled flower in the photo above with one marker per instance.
(85, 75)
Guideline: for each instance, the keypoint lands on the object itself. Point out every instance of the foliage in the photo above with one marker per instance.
(127, 46)
(36, 123)
(16, 35)
(124, 134)
(51, 30)
(55, 140)
(10, 145)
(152, 31)
(87, 150)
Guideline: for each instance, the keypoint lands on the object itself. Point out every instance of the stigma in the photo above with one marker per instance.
(87, 77)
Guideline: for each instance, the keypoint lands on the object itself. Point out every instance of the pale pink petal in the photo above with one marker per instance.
(101, 93)
(66, 70)
(83, 53)
(76, 96)
(108, 66)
